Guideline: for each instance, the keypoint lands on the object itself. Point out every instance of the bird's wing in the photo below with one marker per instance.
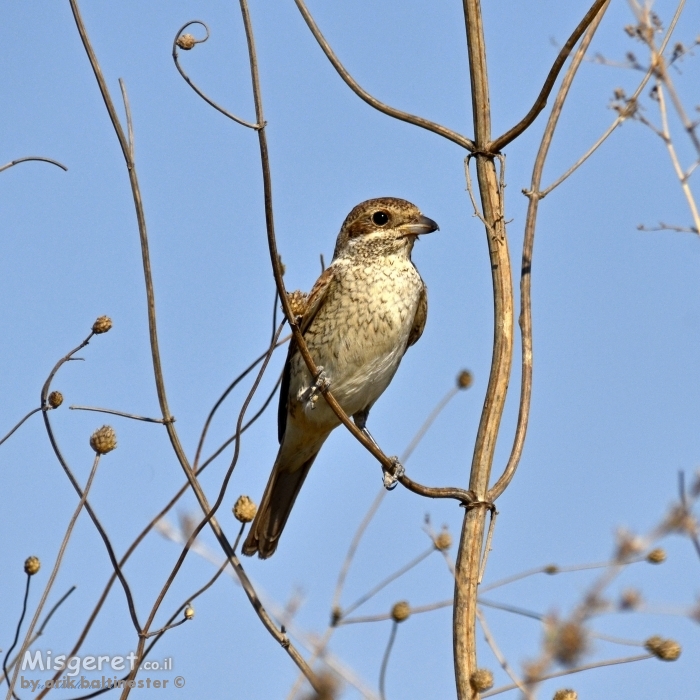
(420, 318)
(317, 295)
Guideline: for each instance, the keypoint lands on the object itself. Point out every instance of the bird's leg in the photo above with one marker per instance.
(390, 477)
(360, 419)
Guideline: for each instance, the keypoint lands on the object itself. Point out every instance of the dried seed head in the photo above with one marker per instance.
(443, 541)
(628, 545)
(189, 612)
(244, 509)
(336, 615)
(681, 521)
(657, 556)
(401, 611)
(551, 569)
(298, 302)
(567, 642)
(102, 325)
(664, 649)
(328, 687)
(481, 679)
(103, 440)
(565, 694)
(534, 670)
(464, 379)
(55, 399)
(630, 599)
(32, 565)
(186, 42)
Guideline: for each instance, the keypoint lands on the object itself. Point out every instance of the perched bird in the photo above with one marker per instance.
(364, 311)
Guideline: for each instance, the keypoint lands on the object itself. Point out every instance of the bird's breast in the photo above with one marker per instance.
(359, 335)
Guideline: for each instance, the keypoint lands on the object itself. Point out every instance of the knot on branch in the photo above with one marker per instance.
(469, 505)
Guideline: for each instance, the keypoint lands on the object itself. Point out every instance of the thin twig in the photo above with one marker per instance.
(17, 161)
(142, 535)
(487, 546)
(490, 640)
(31, 413)
(117, 413)
(541, 101)
(373, 101)
(188, 80)
(693, 535)
(397, 574)
(525, 319)
(53, 574)
(17, 631)
(687, 192)
(41, 629)
(620, 117)
(163, 630)
(385, 660)
(511, 609)
(210, 511)
(550, 569)
(223, 397)
(569, 671)
(388, 616)
(155, 352)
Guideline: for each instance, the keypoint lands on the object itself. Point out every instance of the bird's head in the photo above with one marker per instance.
(379, 227)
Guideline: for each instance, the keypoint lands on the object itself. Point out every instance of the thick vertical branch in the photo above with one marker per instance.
(469, 556)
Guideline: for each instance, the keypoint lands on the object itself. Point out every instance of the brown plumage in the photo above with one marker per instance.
(364, 311)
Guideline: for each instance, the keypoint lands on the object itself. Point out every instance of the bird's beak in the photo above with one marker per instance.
(418, 228)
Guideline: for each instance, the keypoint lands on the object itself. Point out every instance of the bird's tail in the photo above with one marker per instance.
(280, 493)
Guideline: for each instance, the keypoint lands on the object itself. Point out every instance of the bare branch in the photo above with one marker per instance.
(207, 99)
(497, 144)
(118, 413)
(373, 101)
(52, 577)
(525, 320)
(570, 671)
(12, 163)
(499, 655)
(620, 117)
(31, 413)
(385, 660)
(397, 574)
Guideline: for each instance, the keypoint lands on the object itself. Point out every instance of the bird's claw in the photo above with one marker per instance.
(321, 385)
(392, 476)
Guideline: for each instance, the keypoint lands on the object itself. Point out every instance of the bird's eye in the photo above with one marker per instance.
(380, 218)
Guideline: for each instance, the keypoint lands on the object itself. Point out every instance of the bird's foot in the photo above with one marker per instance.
(392, 476)
(322, 383)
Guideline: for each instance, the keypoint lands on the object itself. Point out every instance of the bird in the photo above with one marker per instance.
(362, 314)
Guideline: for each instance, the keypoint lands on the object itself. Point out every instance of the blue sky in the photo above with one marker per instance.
(616, 397)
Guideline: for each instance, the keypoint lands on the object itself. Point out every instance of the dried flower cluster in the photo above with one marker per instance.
(401, 611)
(664, 649)
(186, 42)
(103, 440)
(244, 509)
(481, 679)
(55, 399)
(102, 325)
(32, 565)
